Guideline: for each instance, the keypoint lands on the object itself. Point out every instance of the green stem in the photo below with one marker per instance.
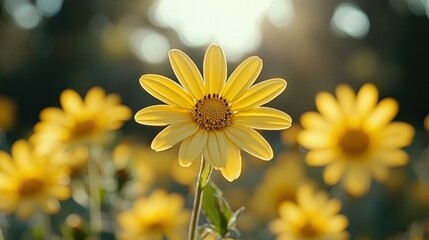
(202, 180)
(95, 222)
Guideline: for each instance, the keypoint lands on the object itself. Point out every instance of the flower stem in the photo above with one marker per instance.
(202, 180)
(95, 223)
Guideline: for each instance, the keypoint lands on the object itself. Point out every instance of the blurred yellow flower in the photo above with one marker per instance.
(354, 137)
(313, 216)
(280, 183)
(212, 116)
(156, 217)
(91, 120)
(8, 113)
(426, 123)
(29, 181)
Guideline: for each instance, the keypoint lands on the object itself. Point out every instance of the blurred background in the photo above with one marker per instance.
(47, 46)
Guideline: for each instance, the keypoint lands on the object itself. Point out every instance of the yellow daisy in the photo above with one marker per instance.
(29, 181)
(280, 183)
(156, 217)
(91, 120)
(354, 137)
(314, 216)
(213, 116)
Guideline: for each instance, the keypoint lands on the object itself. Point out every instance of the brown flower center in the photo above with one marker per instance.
(83, 128)
(354, 142)
(30, 186)
(308, 230)
(212, 112)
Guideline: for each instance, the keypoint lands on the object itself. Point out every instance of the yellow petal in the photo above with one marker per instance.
(95, 98)
(51, 205)
(172, 135)
(397, 135)
(161, 115)
(22, 155)
(333, 172)
(53, 114)
(314, 120)
(346, 98)
(166, 90)
(336, 224)
(366, 99)
(328, 107)
(250, 141)
(191, 148)
(187, 73)
(314, 139)
(392, 158)
(232, 169)
(242, 78)
(259, 94)
(379, 171)
(71, 102)
(214, 69)
(321, 157)
(383, 114)
(214, 151)
(357, 180)
(6, 165)
(263, 118)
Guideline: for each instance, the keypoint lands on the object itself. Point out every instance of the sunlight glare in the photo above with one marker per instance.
(149, 46)
(350, 21)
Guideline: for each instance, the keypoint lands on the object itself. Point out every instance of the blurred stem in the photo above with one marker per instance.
(202, 180)
(46, 226)
(95, 223)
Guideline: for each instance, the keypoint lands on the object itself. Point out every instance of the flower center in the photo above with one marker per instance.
(30, 186)
(212, 112)
(82, 128)
(354, 142)
(308, 230)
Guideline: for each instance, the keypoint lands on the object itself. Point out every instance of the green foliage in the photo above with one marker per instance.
(222, 221)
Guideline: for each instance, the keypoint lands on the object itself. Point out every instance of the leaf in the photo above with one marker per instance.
(218, 212)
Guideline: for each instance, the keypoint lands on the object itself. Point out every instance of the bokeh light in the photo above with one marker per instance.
(149, 45)
(350, 21)
(49, 8)
(24, 13)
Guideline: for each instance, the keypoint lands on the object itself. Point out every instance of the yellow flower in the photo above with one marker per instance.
(156, 217)
(29, 181)
(354, 137)
(8, 113)
(91, 120)
(313, 216)
(212, 116)
(426, 122)
(280, 183)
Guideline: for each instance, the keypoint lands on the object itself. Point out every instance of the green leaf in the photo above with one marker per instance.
(218, 212)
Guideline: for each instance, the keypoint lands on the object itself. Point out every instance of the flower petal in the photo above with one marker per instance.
(191, 148)
(232, 169)
(214, 151)
(166, 90)
(397, 135)
(259, 94)
(346, 98)
(336, 224)
(214, 69)
(333, 172)
(264, 118)
(71, 102)
(242, 78)
(21, 153)
(321, 157)
(383, 114)
(314, 120)
(250, 141)
(315, 139)
(187, 73)
(172, 135)
(357, 180)
(6, 165)
(328, 107)
(392, 158)
(161, 115)
(366, 99)
(95, 98)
